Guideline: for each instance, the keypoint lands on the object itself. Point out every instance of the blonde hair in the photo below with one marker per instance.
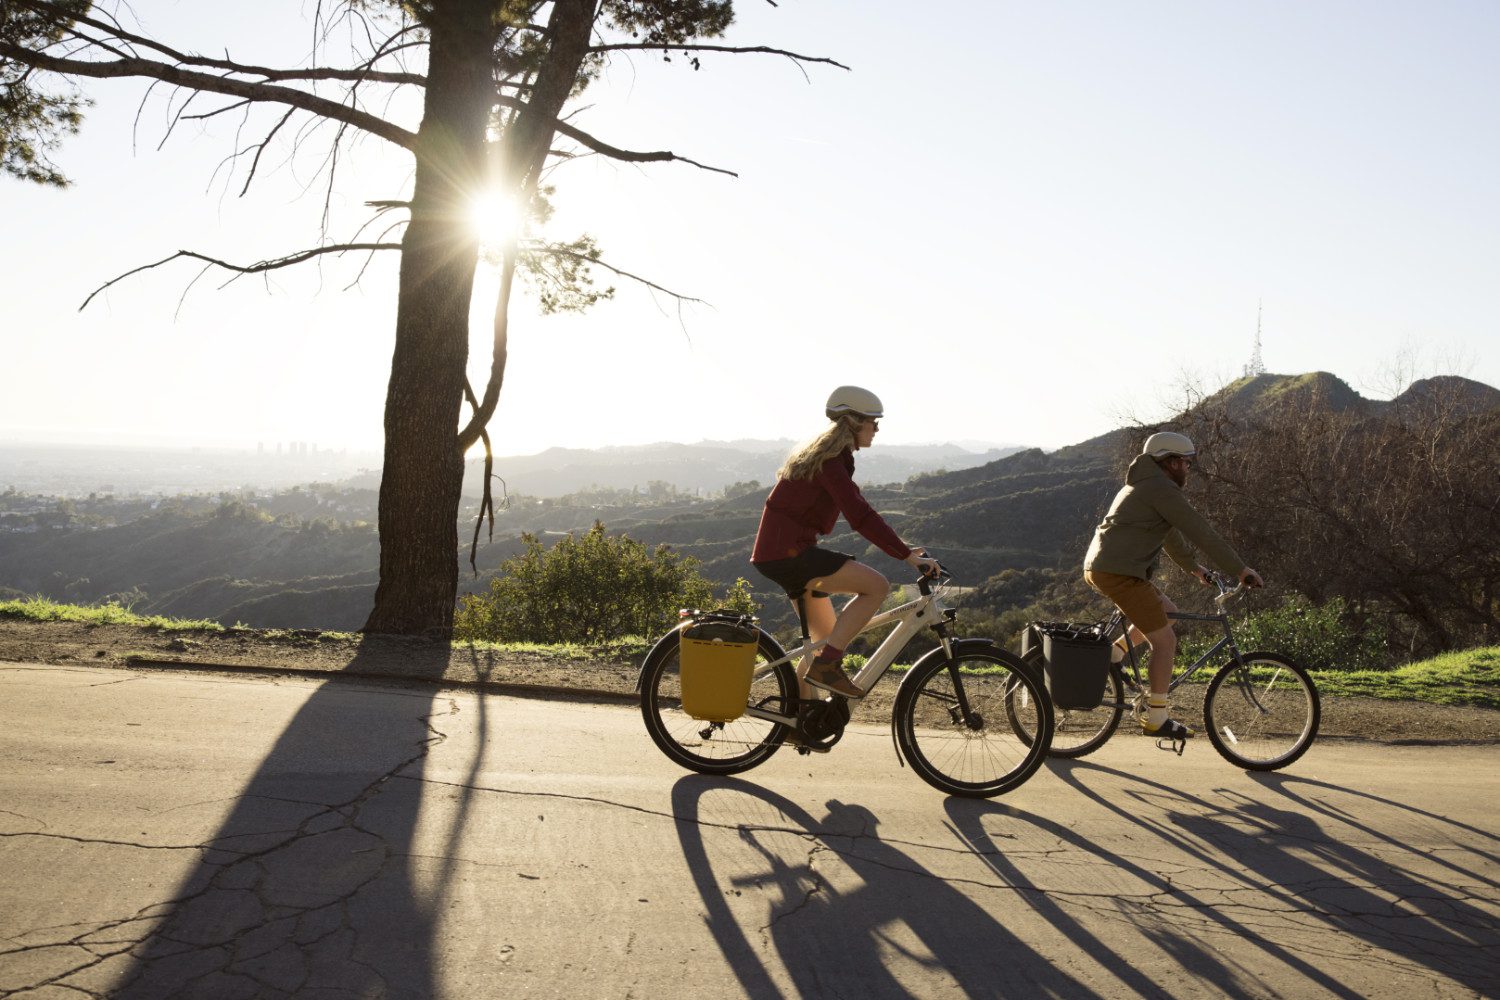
(805, 461)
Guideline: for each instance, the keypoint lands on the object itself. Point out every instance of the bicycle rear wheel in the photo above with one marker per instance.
(1263, 713)
(715, 747)
(1076, 732)
(981, 755)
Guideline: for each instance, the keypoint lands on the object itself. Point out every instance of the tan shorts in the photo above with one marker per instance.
(1139, 599)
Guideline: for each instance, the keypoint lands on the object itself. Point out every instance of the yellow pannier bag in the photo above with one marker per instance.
(716, 662)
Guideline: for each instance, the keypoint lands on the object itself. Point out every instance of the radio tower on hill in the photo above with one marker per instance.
(1256, 365)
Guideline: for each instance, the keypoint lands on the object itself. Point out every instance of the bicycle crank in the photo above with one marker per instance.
(820, 724)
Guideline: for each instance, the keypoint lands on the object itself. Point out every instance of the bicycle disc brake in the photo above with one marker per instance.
(821, 723)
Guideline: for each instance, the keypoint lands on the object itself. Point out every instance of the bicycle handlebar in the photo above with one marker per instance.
(925, 582)
(1227, 588)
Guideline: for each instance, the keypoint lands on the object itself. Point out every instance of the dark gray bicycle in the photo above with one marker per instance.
(1260, 711)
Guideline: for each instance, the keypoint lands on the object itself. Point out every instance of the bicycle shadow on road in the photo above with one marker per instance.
(309, 883)
(1431, 921)
(1307, 871)
(1196, 959)
(845, 912)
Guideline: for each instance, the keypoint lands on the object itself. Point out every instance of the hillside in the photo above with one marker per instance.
(604, 674)
(307, 558)
(703, 468)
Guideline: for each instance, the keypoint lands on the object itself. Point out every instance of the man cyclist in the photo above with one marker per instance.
(1150, 514)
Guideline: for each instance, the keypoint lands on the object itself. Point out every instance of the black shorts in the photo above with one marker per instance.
(794, 574)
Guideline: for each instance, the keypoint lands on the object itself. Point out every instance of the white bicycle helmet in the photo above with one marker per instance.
(1165, 443)
(853, 399)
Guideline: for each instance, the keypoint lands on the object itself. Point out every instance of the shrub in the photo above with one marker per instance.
(1329, 636)
(589, 589)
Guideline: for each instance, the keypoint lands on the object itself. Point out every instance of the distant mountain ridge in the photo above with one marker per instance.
(705, 467)
(1027, 509)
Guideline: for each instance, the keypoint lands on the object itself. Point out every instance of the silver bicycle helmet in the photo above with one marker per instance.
(853, 399)
(1166, 443)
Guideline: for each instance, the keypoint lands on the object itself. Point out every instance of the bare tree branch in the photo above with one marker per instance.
(257, 268)
(217, 111)
(762, 49)
(631, 156)
(554, 251)
(487, 500)
(268, 74)
(262, 147)
(604, 148)
(192, 79)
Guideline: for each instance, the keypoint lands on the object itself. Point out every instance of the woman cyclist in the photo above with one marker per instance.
(813, 487)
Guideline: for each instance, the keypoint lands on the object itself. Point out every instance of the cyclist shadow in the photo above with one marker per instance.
(834, 940)
(310, 883)
(1313, 872)
(1199, 960)
(1431, 922)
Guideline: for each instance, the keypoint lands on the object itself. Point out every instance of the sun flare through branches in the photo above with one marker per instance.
(495, 219)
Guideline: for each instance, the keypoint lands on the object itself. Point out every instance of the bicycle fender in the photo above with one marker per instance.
(959, 646)
(672, 636)
(768, 645)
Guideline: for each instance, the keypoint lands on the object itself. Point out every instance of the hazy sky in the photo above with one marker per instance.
(1014, 221)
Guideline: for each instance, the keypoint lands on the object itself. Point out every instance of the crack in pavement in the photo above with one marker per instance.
(265, 917)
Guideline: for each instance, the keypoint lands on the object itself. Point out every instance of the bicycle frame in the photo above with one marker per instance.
(1116, 625)
(913, 616)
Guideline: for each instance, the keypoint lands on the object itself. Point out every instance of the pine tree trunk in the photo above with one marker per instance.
(423, 475)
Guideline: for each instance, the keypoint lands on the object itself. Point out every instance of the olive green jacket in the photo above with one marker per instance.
(1149, 514)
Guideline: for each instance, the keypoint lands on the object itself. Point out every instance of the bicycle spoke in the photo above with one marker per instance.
(1261, 713)
(983, 753)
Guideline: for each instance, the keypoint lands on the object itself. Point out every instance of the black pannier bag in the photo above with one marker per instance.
(1076, 661)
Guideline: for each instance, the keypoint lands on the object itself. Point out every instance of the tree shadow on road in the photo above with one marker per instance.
(901, 925)
(309, 885)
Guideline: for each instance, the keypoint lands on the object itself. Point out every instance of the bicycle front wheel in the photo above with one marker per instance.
(1261, 713)
(715, 747)
(1076, 732)
(954, 727)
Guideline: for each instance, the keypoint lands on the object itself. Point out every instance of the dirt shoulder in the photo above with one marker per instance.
(417, 661)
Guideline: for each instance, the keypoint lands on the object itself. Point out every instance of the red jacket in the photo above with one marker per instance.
(799, 510)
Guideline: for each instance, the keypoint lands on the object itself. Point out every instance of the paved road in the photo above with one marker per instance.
(168, 835)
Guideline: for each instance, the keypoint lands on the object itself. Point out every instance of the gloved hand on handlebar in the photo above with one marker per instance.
(1250, 578)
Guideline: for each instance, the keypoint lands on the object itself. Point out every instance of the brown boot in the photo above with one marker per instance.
(828, 676)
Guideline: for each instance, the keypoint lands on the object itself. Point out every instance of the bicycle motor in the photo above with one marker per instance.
(820, 724)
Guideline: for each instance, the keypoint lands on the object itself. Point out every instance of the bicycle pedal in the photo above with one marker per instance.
(804, 749)
(1168, 743)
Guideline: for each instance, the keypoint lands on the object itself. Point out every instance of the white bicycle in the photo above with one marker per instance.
(949, 721)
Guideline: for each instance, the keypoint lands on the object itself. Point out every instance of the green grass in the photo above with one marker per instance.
(625, 648)
(1466, 677)
(41, 609)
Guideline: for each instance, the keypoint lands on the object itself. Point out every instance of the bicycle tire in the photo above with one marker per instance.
(1267, 722)
(976, 761)
(712, 747)
(1076, 732)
